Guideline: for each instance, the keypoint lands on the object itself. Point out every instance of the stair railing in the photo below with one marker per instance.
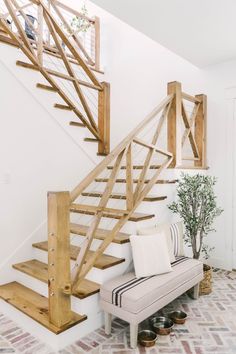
(169, 115)
(187, 126)
(43, 31)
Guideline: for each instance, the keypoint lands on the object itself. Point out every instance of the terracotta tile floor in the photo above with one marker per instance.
(210, 329)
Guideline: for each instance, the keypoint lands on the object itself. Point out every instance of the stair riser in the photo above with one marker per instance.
(96, 275)
(114, 249)
(87, 305)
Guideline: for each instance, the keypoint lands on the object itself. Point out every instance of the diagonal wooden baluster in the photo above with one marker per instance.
(86, 267)
(191, 123)
(74, 35)
(142, 177)
(72, 48)
(70, 70)
(19, 26)
(47, 76)
(129, 179)
(96, 220)
(190, 133)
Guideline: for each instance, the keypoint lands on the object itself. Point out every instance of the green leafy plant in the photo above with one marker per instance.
(81, 24)
(197, 207)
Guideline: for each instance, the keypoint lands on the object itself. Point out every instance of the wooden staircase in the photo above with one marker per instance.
(66, 272)
(95, 215)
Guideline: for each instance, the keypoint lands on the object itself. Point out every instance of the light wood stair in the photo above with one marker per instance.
(103, 262)
(62, 106)
(39, 270)
(77, 124)
(135, 180)
(101, 234)
(136, 167)
(34, 305)
(46, 87)
(109, 213)
(122, 196)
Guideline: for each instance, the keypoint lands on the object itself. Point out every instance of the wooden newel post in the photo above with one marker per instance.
(200, 131)
(104, 119)
(174, 134)
(59, 282)
(97, 42)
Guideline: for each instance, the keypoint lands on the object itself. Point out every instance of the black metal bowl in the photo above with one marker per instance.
(161, 325)
(178, 317)
(147, 338)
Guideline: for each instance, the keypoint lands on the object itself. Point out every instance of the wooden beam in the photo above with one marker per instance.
(97, 42)
(190, 133)
(190, 98)
(59, 284)
(174, 118)
(129, 179)
(40, 35)
(191, 123)
(104, 119)
(201, 132)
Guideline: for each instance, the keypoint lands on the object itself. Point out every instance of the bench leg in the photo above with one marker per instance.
(196, 292)
(133, 335)
(108, 319)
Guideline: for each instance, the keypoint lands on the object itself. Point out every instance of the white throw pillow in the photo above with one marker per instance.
(157, 229)
(150, 255)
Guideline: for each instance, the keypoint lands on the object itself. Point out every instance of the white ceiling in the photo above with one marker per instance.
(201, 31)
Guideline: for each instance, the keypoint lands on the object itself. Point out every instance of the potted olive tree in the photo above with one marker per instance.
(197, 207)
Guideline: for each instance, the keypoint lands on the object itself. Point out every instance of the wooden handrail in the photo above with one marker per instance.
(190, 98)
(71, 10)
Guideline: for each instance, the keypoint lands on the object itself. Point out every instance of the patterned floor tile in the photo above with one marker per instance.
(209, 329)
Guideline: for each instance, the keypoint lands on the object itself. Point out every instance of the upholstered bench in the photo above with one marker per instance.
(134, 300)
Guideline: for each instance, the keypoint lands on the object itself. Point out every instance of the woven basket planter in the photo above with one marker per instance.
(206, 283)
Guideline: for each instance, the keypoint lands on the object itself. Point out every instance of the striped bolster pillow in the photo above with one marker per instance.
(176, 232)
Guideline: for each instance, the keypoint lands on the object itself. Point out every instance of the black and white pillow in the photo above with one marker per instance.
(176, 232)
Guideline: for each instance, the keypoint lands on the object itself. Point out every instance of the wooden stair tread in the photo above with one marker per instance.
(137, 167)
(77, 124)
(34, 305)
(39, 270)
(91, 210)
(123, 180)
(46, 87)
(101, 234)
(103, 262)
(98, 194)
(91, 140)
(62, 106)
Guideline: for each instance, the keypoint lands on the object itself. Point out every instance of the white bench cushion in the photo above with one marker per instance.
(134, 295)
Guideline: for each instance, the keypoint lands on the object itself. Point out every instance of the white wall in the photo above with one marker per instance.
(38, 153)
(220, 80)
